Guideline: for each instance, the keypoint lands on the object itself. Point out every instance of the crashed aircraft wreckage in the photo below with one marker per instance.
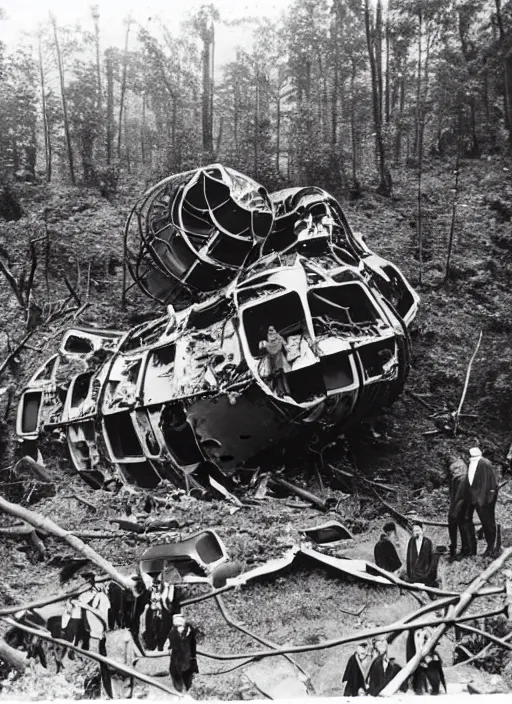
(294, 324)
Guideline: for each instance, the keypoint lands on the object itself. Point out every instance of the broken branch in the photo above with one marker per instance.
(500, 641)
(481, 653)
(303, 493)
(7, 611)
(456, 610)
(466, 382)
(397, 627)
(14, 658)
(125, 669)
(46, 524)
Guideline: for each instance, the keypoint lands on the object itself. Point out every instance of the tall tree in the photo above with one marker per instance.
(205, 25)
(374, 44)
(128, 23)
(60, 67)
(46, 126)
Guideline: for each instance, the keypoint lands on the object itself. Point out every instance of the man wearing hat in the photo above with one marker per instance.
(183, 665)
(483, 490)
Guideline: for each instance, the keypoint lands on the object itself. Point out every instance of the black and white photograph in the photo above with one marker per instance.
(255, 349)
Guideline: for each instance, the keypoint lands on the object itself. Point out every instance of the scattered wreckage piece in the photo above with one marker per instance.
(196, 229)
(201, 558)
(296, 327)
(330, 534)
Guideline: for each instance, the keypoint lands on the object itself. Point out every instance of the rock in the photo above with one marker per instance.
(277, 679)
(481, 681)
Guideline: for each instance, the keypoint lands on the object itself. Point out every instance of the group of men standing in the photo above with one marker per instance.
(473, 487)
(421, 560)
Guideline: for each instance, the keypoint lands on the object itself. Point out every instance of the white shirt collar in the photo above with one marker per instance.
(473, 462)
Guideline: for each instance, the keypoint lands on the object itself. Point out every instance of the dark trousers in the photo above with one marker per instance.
(463, 525)
(488, 521)
(182, 680)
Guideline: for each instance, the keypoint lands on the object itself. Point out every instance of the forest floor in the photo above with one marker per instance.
(307, 605)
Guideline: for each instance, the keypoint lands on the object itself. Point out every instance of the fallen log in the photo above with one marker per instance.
(43, 523)
(125, 669)
(455, 611)
(14, 658)
(85, 502)
(411, 622)
(27, 467)
(321, 504)
(420, 400)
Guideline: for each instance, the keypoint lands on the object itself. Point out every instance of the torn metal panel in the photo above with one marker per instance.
(328, 534)
(192, 560)
(359, 569)
(306, 327)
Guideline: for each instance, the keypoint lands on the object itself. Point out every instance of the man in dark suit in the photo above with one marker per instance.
(483, 491)
(383, 669)
(421, 563)
(384, 552)
(460, 503)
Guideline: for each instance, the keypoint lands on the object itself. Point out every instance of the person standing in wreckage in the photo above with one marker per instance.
(483, 494)
(276, 361)
(385, 554)
(183, 663)
(421, 562)
(383, 669)
(357, 669)
(458, 513)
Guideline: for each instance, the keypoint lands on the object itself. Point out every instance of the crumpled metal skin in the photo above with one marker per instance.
(303, 328)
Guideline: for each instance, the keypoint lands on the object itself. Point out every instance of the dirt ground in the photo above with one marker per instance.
(310, 605)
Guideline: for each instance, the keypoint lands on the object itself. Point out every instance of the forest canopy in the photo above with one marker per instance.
(331, 94)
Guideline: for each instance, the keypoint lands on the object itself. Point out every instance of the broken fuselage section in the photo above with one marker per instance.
(311, 331)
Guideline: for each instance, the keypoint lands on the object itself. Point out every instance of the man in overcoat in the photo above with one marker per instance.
(483, 492)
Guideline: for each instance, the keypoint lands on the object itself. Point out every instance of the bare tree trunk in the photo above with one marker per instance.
(399, 128)
(60, 66)
(96, 18)
(419, 147)
(235, 122)
(454, 212)
(207, 36)
(385, 183)
(256, 124)
(278, 128)
(127, 141)
(353, 128)
(110, 105)
(123, 86)
(143, 131)
(378, 56)
(46, 129)
(335, 88)
(212, 80)
(387, 101)
(507, 83)
(219, 138)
